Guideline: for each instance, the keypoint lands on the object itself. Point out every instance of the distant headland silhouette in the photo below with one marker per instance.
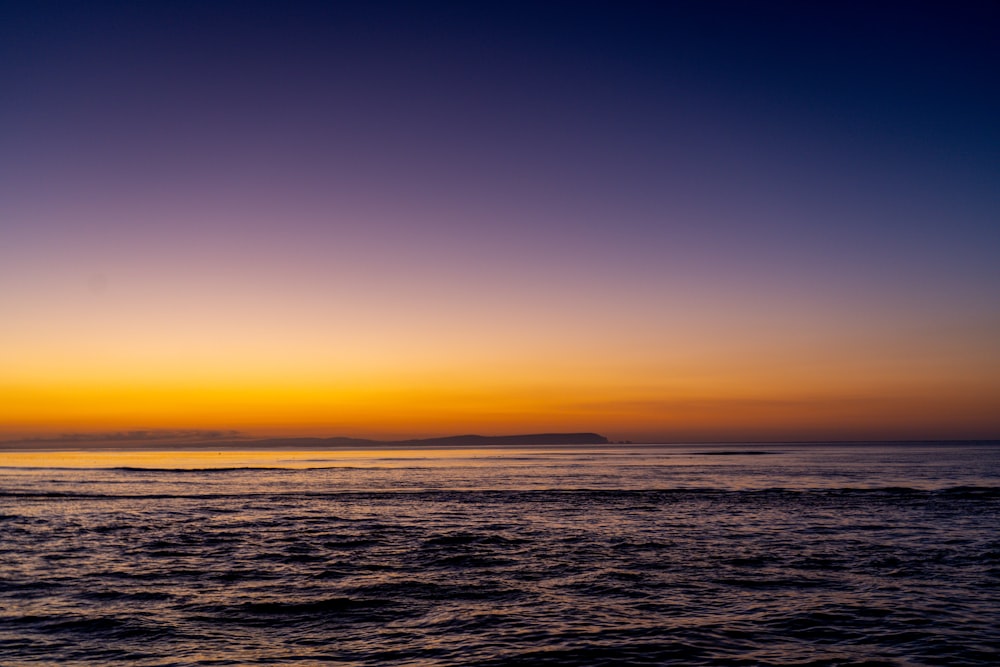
(448, 441)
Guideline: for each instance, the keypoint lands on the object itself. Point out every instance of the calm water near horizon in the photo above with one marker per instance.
(756, 554)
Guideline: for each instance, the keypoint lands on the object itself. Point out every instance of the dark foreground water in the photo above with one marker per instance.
(828, 555)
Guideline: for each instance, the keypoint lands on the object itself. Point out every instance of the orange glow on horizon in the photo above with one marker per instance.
(682, 410)
(732, 373)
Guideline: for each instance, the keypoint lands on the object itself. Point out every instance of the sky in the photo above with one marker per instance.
(683, 221)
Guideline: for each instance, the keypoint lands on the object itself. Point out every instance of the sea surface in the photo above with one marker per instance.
(688, 555)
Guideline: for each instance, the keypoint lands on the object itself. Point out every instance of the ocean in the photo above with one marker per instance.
(779, 554)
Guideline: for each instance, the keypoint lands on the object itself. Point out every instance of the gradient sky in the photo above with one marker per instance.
(658, 221)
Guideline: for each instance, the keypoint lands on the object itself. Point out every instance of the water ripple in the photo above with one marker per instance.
(206, 568)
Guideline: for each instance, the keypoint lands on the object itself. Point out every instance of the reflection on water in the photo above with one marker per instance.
(824, 555)
(199, 459)
(789, 466)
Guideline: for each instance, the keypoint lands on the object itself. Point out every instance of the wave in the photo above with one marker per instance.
(67, 495)
(109, 627)
(954, 493)
(211, 470)
(141, 469)
(336, 610)
(747, 452)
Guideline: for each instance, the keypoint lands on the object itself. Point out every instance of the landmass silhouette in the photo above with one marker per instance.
(449, 441)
